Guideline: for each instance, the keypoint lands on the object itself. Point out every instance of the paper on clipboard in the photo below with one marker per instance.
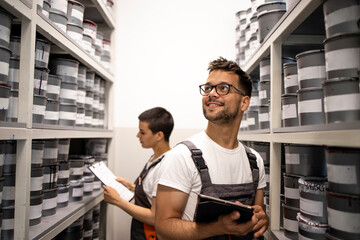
(108, 178)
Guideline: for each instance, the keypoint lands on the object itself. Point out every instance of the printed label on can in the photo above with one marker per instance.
(292, 193)
(265, 70)
(344, 221)
(88, 187)
(342, 15)
(4, 33)
(36, 156)
(74, 35)
(311, 72)
(50, 153)
(347, 58)
(250, 121)
(78, 192)
(342, 174)
(64, 148)
(53, 89)
(292, 158)
(36, 183)
(291, 81)
(41, 55)
(291, 225)
(51, 115)
(63, 197)
(68, 94)
(14, 75)
(4, 68)
(7, 224)
(336, 103)
(64, 70)
(38, 84)
(311, 207)
(77, 171)
(310, 106)
(49, 203)
(289, 111)
(67, 115)
(77, 14)
(35, 211)
(254, 101)
(38, 109)
(263, 117)
(64, 174)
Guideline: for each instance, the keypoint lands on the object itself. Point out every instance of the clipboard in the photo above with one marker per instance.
(210, 208)
(107, 177)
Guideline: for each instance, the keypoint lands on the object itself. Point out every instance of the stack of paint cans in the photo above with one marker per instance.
(89, 36)
(75, 17)
(7, 180)
(64, 173)
(89, 99)
(97, 149)
(81, 97)
(36, 183)
(14, 78)
(342, 50)
(58, 14)
(67, 69)
(76, 190)
(51, 171)
(305, 184)
(41, 74)
(5, 53)
(105, 57)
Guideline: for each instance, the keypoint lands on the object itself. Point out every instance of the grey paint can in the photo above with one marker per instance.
(46, 8)
(12, 114)
(66, 68)
(50, 176)
(342, 53)
(4, 100)
(37, 153)
(341, 16)
(76, 190)
(311, 230)
(89, 100)
(14, 73)
(68, 93)
(313, 203)
(343, 168)
(8, 193)
(80, 117)
(81, 97)
(64, 173)
(263, 148)
(63, 149)
(40, 81)
(289, 107)
(291, 190)
(81, 76)
(342, 100)
(15, 46)
(90, 80)
(291, 225)
(252, 120)
(75, 12)
(87, 43)
(42, 53)
(7, 224)
(264, 92)
(63, 196)
(58, 19)
(88, 117)
(5, 25)
(291, 84)
(267, 20)
(53, 87)
(311, 68)
(88, 161)
(49, 202)
(52, 112)
(269, 6)
(67, 116)
(50, 151)
(264, 117)
(9, 166)
(88, 185)
(76, 167)
(347, 208)
(38, 109)
(37, 178)
(311, 106)
(35, 211)
(4, 64)
(75, 32)
(305, 160)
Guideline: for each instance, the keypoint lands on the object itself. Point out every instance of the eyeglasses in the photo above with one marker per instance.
(221, 89)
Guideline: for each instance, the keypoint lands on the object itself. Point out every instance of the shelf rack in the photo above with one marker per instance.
(338, 135)
(24, 131)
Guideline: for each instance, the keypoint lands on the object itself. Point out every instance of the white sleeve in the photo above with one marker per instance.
(177, 169)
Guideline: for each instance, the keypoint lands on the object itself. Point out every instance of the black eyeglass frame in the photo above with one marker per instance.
(202, 92)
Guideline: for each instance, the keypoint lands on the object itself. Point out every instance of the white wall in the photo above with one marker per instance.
(162, 50)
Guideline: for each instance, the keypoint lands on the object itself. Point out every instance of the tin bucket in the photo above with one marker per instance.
(37, 177)
(35, 211)
(264, 92)
(81, 76)
(291, 225)
(90, 28)
(67, 69)
(80, 117)
(81, 97)
(15, 46)
(342, 100)
(68, 93)
(267, 20)
(5, 25)
(59, 19)
(311, 106)
(14, 73)
(75, 32)
(50, 151)
(52, 112)
(87, 42)
(38, 109)
(53, 87)
(311, 68)
(75, 12)
(311, 230)
(64, 173)
(291, 190)
(289, 107)
(269, 6)
(49, 202)
(342, 53)
(343, 168)
(291, 84)
(4, 101)
(59, 6)
(63, 196)
(67, 116)
(64, 147)
(37, 153)
(341, 16)
(40, 81)
(252, 120)
(4, 64)
(42, 53)
(263, 149)
(50, 176)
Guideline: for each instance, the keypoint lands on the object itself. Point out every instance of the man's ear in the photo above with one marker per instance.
(245, 102)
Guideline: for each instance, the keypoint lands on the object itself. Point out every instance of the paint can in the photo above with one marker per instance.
(311, 230)
(7, 223)
(53, 87)
(35, 211)
(4, 64)
(252, 120)
(87, 42)
(263, 148)
(59, 6)
(38, 109)
(12, 114)
(49, 202)
(291, 190)
(88, 117)
(64, 147)
(15, 46)
(63, 196)
(267, 20)
(90, 28)
(9, 166)
(289, 107)
(5, 25)
(8, 192)
(37, 153)
(88, 185)
(67, 69)
(67, 116)
(81, 79)
(311, 106)
(270, 6)
(81, 97)
(40, 81)
(76, 167)
(291, 84)
(52, 112)
(264, 92)
(50, 151)
(14, 73)
(36, 182)
(50, 176)
(76, 190)
(64, 173)
(90, 80)
(75, 12)
(75, 32)
(46, 8)
(254, 100)
(89, 100)
(42, 53)
(291, 225)
(80, 117)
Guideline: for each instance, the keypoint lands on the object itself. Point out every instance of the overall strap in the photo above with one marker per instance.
(196, 155)
(253, 165)
(146, 171)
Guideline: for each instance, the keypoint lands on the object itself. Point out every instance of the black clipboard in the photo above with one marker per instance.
(210, 208)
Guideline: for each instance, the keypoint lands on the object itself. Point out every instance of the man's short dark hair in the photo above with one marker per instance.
(223, 64)
(159, 120)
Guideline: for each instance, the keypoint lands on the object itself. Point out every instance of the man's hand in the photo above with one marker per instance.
(263, 221)
(230, 225)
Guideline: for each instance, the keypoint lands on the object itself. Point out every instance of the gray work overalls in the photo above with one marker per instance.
(139, 230)
(244, 192)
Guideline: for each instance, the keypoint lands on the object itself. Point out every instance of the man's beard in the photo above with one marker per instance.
(222, 117)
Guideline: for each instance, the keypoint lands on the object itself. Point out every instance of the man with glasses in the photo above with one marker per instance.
(214, 163)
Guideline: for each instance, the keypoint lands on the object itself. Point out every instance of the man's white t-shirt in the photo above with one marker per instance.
(226, 166)
(149, 183)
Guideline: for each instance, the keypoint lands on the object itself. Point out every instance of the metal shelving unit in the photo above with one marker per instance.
(339, 135)
(24, 131)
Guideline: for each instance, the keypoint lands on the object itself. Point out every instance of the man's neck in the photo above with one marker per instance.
(224, 135)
